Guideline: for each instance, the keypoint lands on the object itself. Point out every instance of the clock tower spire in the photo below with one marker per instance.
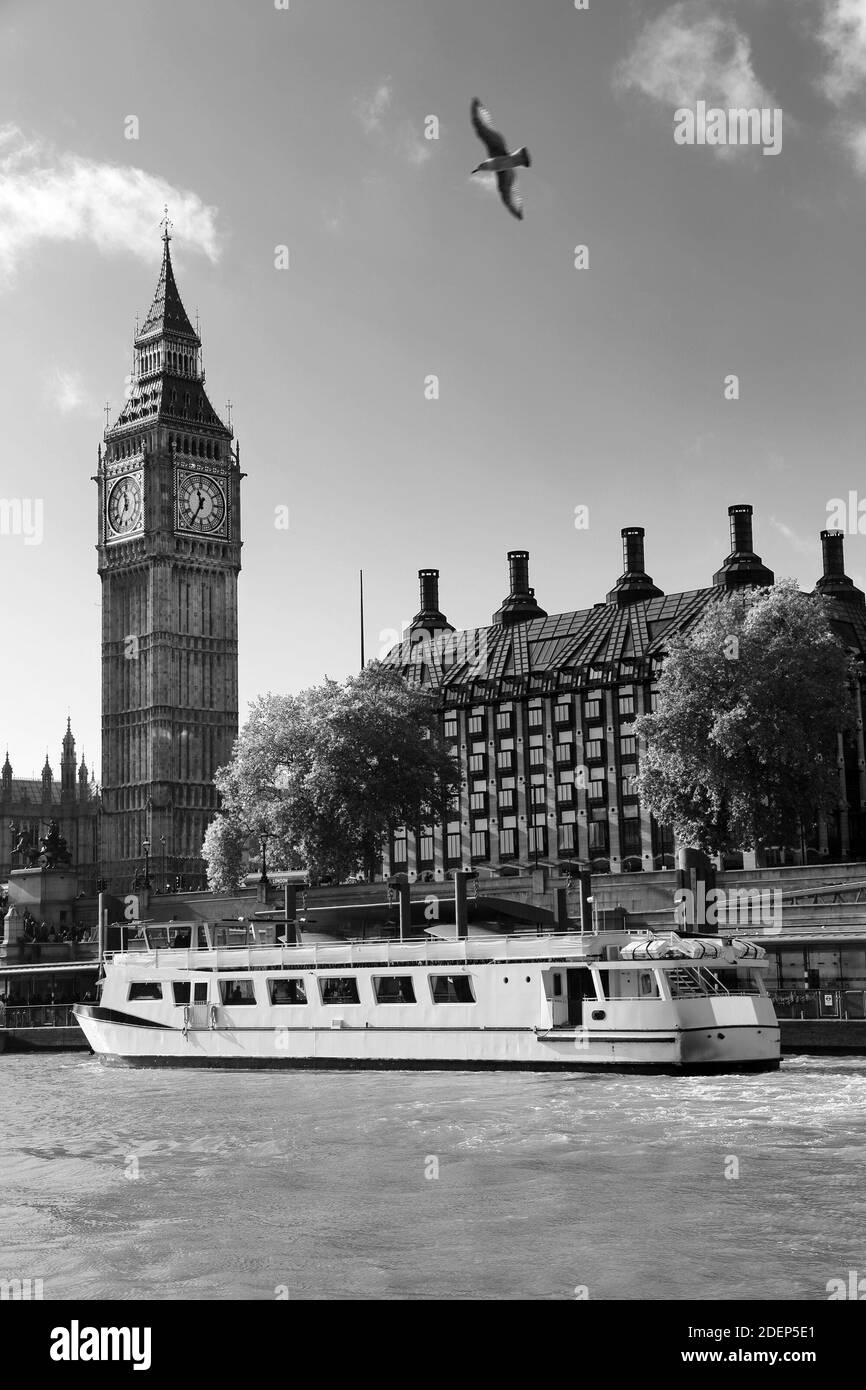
(169, 555)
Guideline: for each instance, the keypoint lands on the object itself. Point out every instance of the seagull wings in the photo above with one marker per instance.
(491, 138)
(507, 192)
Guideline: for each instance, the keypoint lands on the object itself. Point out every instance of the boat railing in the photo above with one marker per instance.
(37, 1016)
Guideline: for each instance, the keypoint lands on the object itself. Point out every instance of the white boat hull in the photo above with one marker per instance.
(743, 1046)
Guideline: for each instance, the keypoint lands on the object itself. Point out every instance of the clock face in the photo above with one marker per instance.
(124, 506)
(201, 504)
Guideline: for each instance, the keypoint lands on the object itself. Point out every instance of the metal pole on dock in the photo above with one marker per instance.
(101, 927)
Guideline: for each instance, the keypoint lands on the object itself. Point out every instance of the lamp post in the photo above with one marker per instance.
(264, 877)
(162, 842)
(146, 847)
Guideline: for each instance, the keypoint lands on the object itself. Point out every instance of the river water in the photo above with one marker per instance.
(208, 1185)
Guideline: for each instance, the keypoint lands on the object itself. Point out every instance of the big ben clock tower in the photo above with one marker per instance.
(169, 558)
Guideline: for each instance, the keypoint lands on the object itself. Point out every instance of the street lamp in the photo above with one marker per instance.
(162, 842)
(146, 847)
(264, 877)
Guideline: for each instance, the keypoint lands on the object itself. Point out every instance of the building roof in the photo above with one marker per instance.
(592, 646)
(166, 313)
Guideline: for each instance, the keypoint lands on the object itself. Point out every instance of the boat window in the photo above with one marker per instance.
(145, 989)
(182, 988)
(237, 992)
(340, 989)
(287, 991)
(452, 989)
(394, 989)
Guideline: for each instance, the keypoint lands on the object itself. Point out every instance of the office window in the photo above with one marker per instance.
(425, 847)
(626, 700)
(565, 793)
(504, 720)
(454, 850)
(535, 716)
(401, 851)
(505, 760)
(564, 752)
(539, 795)
(562, 711)
(598, 835)
(506, 843)
(629, 781)
(476, 724)
(451, 726)
(592, 705)
(480, 844)
(506, 798)
(631, 838)
(596, 783)
(653, 699)
(565, 838)
(628, 746)
(538, 839)
(536, 757)
(478, 801)
(476, 762)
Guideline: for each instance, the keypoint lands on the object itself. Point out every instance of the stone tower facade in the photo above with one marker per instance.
(169, 557)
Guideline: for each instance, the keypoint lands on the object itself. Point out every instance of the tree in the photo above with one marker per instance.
(323, 777)
(741, 750)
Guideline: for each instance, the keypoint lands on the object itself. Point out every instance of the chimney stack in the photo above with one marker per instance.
(834, 583)
(520, 605)
(430, 619)
(741, 529)
(743, 568)
(635, 585)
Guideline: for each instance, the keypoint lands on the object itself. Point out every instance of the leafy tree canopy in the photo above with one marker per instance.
(323, 776)
(741, 750)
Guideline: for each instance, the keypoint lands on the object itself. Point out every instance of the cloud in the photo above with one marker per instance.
(413, 147)
(46, 196)
(690, 54)
(65, 391)
(842, 34)
(380, 119)
(373, 108)
(803, 544)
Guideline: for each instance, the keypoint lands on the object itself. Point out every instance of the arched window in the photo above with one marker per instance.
(193, 450)
(185, 445)
(216, 451)
(208, 449)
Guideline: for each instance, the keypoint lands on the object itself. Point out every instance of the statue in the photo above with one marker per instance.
(53, 849)
(23, 846)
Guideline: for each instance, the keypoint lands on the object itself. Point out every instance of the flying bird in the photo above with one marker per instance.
(500, 163)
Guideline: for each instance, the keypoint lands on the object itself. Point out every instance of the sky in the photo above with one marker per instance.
(605, 387)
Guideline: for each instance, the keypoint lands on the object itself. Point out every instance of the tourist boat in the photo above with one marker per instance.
(36, 1003)
(241, 996)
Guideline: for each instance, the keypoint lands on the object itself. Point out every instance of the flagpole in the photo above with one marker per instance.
(363, 663)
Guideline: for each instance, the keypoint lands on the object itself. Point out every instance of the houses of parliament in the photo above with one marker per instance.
(169, 554)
